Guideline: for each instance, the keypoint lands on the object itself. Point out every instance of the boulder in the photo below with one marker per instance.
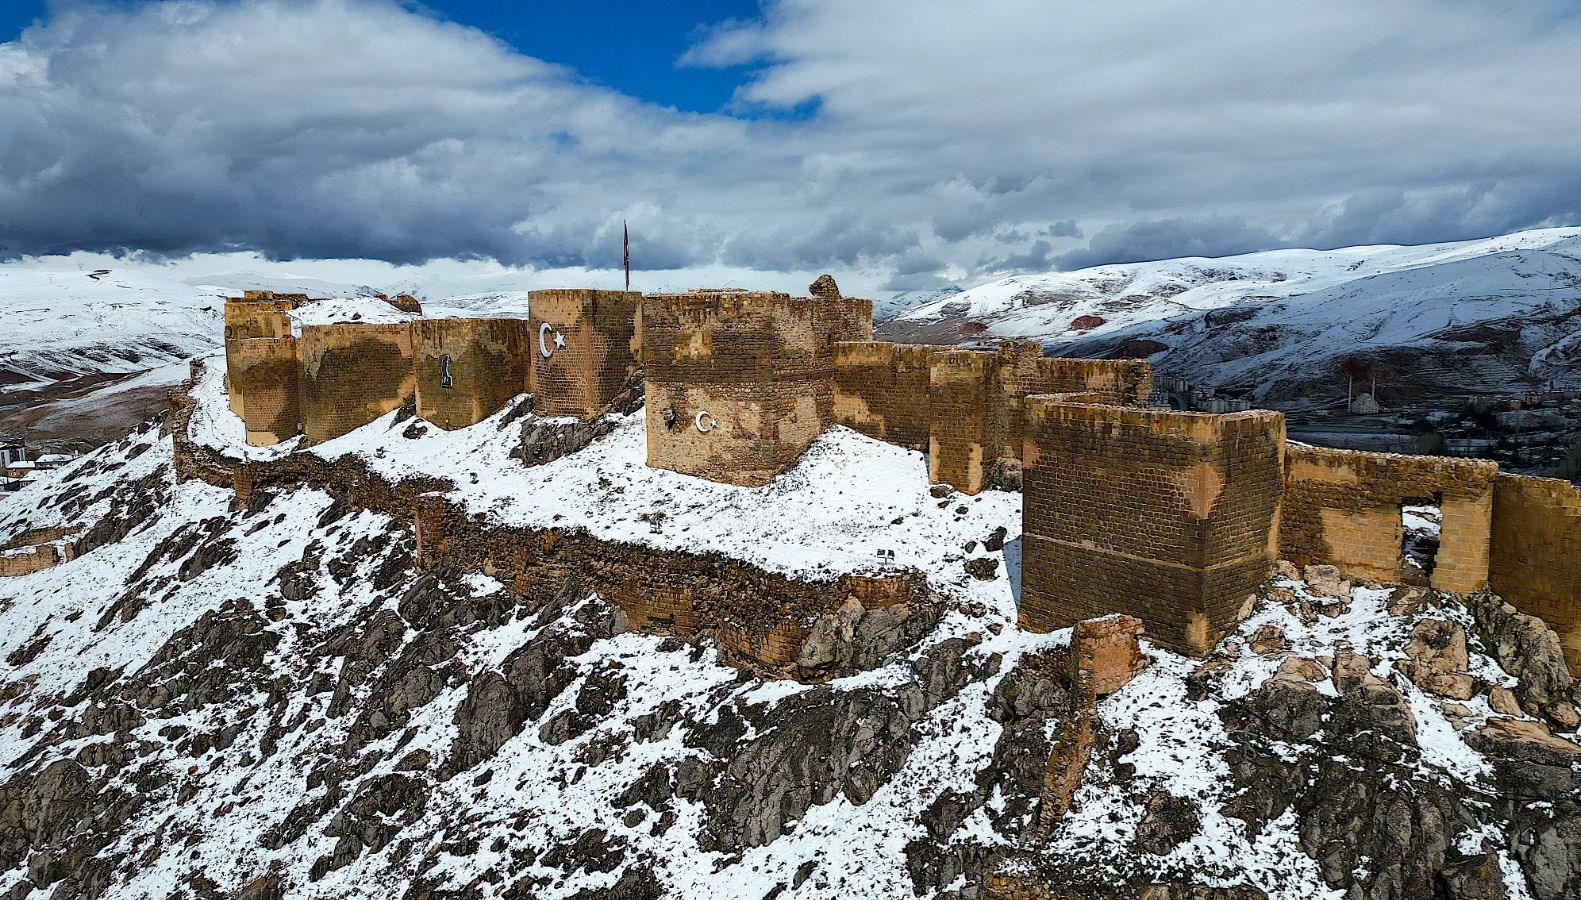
(1325, 581)
(1437, 659)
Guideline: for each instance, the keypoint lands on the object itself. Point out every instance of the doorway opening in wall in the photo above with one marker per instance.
(1421, 522)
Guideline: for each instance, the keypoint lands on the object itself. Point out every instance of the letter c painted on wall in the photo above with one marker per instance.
(711, 424)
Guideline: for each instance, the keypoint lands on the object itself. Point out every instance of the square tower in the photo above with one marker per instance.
(739, 383)
(583, 346)
(468, 369)
(1167, 516)
(255, 314)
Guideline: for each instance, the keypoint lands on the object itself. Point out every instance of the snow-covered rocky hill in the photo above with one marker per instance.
(266, 699)
(1495, 315)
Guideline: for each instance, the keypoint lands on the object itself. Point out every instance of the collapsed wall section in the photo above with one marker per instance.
(468, 369)
(353, 374)
(739, 383)
(1343, 508)
(267, 374)
(1166, 516)
(583, 348)
(1535, 553)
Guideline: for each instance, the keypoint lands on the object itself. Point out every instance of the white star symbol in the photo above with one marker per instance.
(559, 341)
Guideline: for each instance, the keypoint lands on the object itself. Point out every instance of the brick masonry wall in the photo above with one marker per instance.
(1342, 507)
(966, 407)
(267, 374)
(1535, 553)
(1169, 517)
(26, 561)
(353, 374)
(486, 362)
(759, 365)
(602, 338)
(881, 390)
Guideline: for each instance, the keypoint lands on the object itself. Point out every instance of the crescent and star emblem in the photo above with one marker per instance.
(705, 422)
(543, 345)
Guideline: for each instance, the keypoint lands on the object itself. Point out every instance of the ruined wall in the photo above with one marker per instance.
(583, 346)
(256, 314)
(738, 384)
(1535, 553)
(1166, 516)
(266, 373)
(468, 369)
(1342, 507)
(353, 374)
(881, 390)
(35, 550)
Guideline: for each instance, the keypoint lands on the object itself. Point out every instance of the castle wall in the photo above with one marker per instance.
(266, 374)
(966, 407)
(601, 335)
(1342, 507)
(881, 390)
(36, 550)
(1170, 517)
(1535, 553)
(468, 369)
(353, 374)
(739, 384)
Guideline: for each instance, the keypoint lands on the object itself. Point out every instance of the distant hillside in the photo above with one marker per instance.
(1487, 316)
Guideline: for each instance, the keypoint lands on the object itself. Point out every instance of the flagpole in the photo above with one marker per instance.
(625, 240)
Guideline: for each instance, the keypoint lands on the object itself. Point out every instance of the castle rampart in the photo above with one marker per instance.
(353, 374)
(1536, 553)
(965, 407)
(1342, 507)
(1167, 516)
(468, 369)
(584, 348)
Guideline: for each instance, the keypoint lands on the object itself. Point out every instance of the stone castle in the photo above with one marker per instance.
(1172, 517)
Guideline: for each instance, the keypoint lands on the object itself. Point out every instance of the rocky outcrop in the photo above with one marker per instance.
(1528, 649)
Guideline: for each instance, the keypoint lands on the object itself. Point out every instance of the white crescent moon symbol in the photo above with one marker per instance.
(543, 347)
(699, 422)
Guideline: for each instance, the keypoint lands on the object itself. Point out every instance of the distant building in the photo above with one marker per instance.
(1365, 405)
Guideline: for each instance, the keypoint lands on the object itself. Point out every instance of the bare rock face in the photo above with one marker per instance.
(1438, 659)
(1531, 761)
(1168, 821)
(1528, 649)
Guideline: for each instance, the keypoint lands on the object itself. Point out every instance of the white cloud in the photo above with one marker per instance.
(361, 129)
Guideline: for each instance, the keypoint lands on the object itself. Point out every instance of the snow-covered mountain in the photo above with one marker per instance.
(265, 699)
(1495, 315)
(65, 323)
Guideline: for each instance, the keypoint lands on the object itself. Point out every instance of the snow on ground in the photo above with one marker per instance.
(847, 498)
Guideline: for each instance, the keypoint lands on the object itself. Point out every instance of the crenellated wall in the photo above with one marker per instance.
(584, 346)
(468, 369)
(739, 383)
(353, 374)
(1167, 516)
(1342, 508)
(1536, 553)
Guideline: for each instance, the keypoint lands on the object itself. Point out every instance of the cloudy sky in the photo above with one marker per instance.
(898, 145)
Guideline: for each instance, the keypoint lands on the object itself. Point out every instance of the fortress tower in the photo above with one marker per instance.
(739, 383)
(583, 347)
(353, 374)
(255, 314)
(467, 369)
(1167, 516)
